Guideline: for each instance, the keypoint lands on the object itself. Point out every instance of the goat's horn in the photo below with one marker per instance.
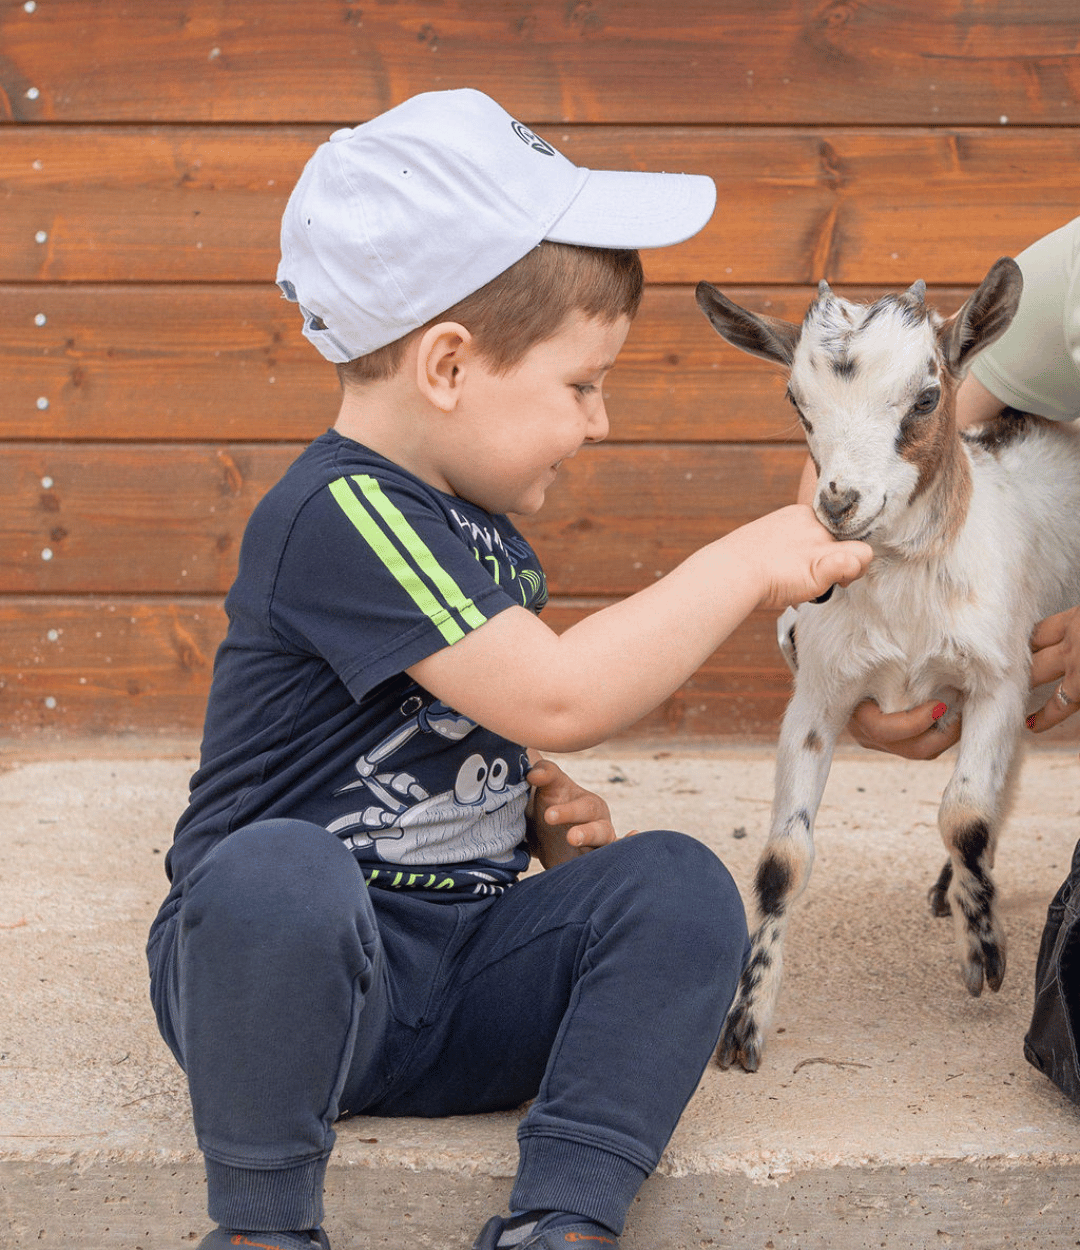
(917, 291)
(823, 288)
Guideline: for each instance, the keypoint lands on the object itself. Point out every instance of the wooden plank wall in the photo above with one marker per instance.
(154, 384)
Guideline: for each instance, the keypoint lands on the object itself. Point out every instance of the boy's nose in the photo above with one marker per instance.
(599, 427)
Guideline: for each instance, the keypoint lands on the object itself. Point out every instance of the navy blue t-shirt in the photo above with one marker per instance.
(351, 570)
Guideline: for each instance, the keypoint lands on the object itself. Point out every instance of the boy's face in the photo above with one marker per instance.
(512, 432)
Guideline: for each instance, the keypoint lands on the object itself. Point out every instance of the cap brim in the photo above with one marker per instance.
(634, 209)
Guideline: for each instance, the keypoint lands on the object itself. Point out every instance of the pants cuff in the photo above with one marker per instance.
(261, 1200)
(559, 1175)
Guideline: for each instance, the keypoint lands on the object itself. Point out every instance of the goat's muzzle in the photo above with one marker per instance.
(837, 505)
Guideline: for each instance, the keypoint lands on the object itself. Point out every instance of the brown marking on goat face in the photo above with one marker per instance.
(932, 446)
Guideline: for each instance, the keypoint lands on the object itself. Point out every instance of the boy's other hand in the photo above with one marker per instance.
(796, 558)
(565, 819)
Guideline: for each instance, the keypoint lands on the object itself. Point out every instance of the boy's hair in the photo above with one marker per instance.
(525, 305)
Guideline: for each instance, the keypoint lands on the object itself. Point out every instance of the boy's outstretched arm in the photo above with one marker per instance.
(570, 691)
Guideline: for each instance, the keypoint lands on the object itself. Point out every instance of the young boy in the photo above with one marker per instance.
(346, 930)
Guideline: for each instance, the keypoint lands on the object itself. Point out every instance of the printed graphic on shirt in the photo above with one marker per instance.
(480, 817)
(506, 560)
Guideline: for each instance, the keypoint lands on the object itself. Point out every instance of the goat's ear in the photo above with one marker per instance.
(768, 337)
(984, 317)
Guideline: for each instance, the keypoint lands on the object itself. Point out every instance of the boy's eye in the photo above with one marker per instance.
(585, 388)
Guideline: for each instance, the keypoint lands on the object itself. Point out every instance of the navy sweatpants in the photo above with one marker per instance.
(293, 995)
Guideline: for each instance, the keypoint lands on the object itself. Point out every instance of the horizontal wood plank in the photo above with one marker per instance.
(145, 519)
(878, 207)
(73, 666)
(229, 363)
(775, 61)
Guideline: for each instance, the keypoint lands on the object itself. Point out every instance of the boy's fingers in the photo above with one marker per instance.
(849, 560)
(595, 833)
(542, 773)
(580, 811)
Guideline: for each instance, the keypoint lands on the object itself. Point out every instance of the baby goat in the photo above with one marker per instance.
(975, 539)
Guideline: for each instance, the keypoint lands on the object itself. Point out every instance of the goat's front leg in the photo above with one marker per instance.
(972, 810)
(804, 754)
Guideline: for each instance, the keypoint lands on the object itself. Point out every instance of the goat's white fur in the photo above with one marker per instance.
(975, 541)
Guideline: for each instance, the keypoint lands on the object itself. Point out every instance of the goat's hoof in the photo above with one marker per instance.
(995, 967)
(973, 978)
(939, 902)
(740, 1041)
(985, 968)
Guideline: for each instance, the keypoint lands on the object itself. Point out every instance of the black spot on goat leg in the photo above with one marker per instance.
(773, 885)
(938, 894)
(813, 742)
(971, 843)
(983, 945)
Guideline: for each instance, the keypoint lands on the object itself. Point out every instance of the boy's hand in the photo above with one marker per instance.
(564, 819)
(796, 558)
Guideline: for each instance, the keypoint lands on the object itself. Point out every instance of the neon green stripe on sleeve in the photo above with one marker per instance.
(454, 596)
(405, 575)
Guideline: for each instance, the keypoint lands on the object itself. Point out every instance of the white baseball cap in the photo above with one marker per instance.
(395, 221)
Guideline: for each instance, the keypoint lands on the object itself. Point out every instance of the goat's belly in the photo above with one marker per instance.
(895, 690)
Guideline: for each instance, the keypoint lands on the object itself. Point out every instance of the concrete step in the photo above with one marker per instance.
(891, 1108)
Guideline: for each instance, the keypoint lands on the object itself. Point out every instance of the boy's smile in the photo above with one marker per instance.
(508, 434)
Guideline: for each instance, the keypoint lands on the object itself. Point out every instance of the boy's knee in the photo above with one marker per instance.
(263, 874)
(683, 861)
(684, 878)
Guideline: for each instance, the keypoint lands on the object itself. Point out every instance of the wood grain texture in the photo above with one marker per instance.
(159, 519)
(73, 667)
(863, 206)
(692, 61)
(155, 385)
(118, 664)
(225, 363)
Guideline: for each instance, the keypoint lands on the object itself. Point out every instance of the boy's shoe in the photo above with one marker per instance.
(584, 1235)
(229, 1238)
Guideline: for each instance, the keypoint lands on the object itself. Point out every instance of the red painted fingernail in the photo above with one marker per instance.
(939, 710)
(1030, 722)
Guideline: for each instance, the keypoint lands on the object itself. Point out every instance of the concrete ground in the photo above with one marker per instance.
(891, 1108)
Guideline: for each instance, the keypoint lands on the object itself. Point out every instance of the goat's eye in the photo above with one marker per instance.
(928, 400)
(799, 412)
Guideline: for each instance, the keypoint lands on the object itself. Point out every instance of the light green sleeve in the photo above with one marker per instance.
(1035, 365)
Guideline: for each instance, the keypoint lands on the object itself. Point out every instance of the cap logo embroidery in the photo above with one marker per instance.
(533, 140)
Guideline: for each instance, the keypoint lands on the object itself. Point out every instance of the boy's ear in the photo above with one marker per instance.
(441, 363)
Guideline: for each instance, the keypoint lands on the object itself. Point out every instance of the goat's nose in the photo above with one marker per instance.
(836, 503)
